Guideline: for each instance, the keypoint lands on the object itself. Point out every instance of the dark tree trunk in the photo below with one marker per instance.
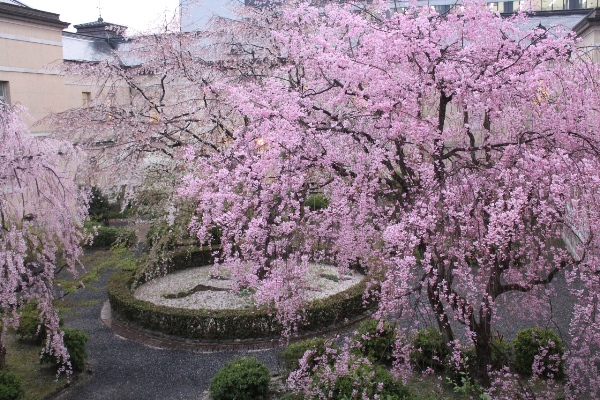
(2, 353)
(440, 314)
(483, 344)
(483, 350)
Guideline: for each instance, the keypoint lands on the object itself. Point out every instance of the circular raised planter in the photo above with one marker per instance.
(226, 324)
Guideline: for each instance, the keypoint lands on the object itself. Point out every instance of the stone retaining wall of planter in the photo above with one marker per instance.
(224, 324)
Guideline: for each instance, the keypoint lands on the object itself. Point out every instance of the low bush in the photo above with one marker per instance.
(75, 341)
(241, 379)
(10, 386)
(377, 344)
(30, 328)
(429, 350)
(544, 344)
(294, 352)
(107, 236)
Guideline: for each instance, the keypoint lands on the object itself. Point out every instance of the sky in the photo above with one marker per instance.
(138, 15)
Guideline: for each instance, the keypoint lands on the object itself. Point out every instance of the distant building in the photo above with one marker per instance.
(195, 14)
(33, 47)
(31, 51)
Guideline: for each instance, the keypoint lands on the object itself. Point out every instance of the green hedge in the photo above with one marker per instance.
(10, 386)
(223, 324)
(182, 258)
(241, 379)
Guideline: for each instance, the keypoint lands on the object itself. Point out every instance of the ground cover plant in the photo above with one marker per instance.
(456, 158)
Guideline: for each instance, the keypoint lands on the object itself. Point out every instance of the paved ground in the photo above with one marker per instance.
(123, 369)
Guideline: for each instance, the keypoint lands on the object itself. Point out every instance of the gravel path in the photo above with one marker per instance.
(122, 369)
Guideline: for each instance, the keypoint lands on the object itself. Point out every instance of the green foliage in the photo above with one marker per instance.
(529, 343)
(502, 353)
(430, 351)
(107, 236)
(295, 351)
(464, 384)
(10, 386)
(75, 342)
(377, 344)
(367, 379)
(166, 242)
(99, 207)
(316, 202)
(222, 324)
(241, 379)
(29, 323)
(162, 234)
(116, 213)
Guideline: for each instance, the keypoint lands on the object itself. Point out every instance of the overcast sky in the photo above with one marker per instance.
(138, 15)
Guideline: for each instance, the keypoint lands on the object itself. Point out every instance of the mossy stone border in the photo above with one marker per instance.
(225, 324)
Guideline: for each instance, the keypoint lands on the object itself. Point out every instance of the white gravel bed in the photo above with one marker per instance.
(319, 277)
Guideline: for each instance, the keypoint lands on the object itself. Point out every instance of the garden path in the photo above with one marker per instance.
(122, 369)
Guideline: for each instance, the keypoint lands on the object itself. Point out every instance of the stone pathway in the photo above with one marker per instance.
(142, 368)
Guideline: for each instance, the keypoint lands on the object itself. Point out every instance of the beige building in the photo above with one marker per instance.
(31, 51)
(33, 47)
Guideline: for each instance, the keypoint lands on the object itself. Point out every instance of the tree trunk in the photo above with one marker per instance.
(483, 350)
(2, 353)
(440, 314)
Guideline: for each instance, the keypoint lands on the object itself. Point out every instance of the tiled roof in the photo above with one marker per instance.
(87, 48)
(99, 23)
(15, 2)
(556, 19)
(83, 48)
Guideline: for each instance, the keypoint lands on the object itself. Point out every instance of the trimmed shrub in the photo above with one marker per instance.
(29, 324)
(430, 351)
(10, 386)
(316, 202)
(376, 344)
(241, 379)
(107, 236)
(75, 342)
(531, 342)
(295, 351)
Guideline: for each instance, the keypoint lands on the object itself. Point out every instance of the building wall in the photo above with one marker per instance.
(590, 39)
(30, 55)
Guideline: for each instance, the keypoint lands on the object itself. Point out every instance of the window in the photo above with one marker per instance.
(4, 92)
(86, 97)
